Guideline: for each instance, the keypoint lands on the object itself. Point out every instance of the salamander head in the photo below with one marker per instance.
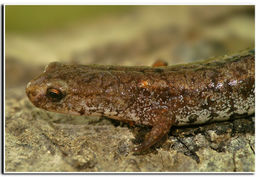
(62, 88)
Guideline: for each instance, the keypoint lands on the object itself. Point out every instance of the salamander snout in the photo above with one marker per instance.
(35, 93)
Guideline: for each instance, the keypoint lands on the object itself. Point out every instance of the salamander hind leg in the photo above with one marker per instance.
(159, 130)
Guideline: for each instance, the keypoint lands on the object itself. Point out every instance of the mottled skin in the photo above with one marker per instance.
(213, 90)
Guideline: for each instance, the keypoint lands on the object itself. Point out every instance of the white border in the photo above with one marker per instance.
(3, 81)
(129, 2)
(136, 2)
(257, 95)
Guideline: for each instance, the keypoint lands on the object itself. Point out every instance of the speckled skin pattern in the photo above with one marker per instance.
(212, 90)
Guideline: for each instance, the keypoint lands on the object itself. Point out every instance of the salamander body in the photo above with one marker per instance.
(160, 97)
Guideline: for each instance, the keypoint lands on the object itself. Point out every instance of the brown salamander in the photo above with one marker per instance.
(160, 97)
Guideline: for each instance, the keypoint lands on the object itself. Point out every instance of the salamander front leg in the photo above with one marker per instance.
(159, 63)
(160, 129)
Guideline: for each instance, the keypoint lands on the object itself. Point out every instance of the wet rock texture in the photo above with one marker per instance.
(36, 140)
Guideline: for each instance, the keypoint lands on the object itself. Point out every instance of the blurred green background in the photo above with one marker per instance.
(35, 18)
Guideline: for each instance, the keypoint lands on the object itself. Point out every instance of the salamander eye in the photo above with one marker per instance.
(54, 94)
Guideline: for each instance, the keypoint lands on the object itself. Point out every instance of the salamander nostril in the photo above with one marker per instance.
(33, 93)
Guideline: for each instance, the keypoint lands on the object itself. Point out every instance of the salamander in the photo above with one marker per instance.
(216, 89)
